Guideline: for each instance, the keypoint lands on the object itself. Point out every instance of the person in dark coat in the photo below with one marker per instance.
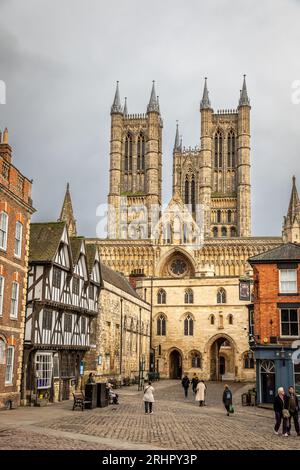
(227, 399)
(293, 407)
(280, 403)
(194, 381)
(91, 379)
(185, 383)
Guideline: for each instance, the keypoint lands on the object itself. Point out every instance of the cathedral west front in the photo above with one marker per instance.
(187, 260)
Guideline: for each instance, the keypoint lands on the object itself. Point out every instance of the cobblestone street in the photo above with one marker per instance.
(177, 423)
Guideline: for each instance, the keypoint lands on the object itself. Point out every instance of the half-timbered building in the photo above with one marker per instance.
(64, 281)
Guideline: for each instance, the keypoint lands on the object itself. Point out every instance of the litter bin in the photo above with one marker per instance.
(252, 398)
(91, 395)
(102, 395)
(245, 399)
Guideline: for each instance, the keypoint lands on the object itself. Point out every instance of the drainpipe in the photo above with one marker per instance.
(121, 339)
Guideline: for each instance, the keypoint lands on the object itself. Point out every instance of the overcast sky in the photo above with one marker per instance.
(60, 60)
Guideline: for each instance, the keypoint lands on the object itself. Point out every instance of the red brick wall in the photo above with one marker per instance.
(266, 289)
(13, 200)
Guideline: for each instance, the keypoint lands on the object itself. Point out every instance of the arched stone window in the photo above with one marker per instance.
(224, 232)
(161, 296)
(161, 325)
(189, 296)
(128, 153)
(193, 194)
(221, 296)
(141, 153)
(230, 319)
(248, 360)
(218, 150)
(215, 232)
(188, 326)
(219, 216)
(212, 319)
(231, 150)
(167, 233)
(186, 191)
(229, 217)
(233, 232)
(196, 360)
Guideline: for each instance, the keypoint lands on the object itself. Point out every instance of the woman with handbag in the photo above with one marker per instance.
(148, 398)
(281, 412)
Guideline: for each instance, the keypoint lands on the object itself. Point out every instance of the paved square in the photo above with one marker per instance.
(177, 423)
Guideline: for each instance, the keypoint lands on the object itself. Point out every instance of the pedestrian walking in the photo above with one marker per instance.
(185, 383)
(293, 408)
(200, 393)
(148, 398)
(227, 400)
(281, 412)
(194, 381)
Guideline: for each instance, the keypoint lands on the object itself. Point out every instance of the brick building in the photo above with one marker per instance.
(15, 212)
(276, 319)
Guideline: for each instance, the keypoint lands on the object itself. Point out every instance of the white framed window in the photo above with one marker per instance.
(288, 281)
(43, 369)
(9, 371)
(18, 239)
(2, 350)
(1, 294)
(3, 230)
(14, 300)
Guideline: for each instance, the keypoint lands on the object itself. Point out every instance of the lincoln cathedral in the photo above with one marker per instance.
(188, 268)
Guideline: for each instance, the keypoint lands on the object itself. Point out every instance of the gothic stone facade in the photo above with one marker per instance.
(15, 212)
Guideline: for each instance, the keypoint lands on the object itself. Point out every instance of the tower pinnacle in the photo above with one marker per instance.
(66, 214)
(116, 106)
(244, 99)
(177, 143)
(153, 103)
(205, 102)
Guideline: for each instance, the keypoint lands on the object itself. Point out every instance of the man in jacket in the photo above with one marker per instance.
(293, 407)
(185, 383)
(227, 399)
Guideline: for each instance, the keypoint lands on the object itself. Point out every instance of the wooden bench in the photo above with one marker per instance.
(79, 400)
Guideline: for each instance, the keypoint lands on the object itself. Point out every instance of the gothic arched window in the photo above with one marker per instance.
(233, 232)
(167, 233)
(221, 296)
(231, 150)
(141, 153)
(186, 191)
(188, 326)
(229, 216)
(161, 325)
(193, 194)
(215, 232)
(224, 232)
(248, 361)
(218, 216)
(212, 319)
(189, 296)
(128, 153)
(196, 359)
(161, 296)
(230, 319)
(218, 150)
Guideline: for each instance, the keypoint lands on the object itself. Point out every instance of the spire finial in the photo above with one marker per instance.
(125, 110)
(67, 215)
(205, 102)
(116, 106)
(153, 103)
(177, 144)
(5, 136)
(244, 99)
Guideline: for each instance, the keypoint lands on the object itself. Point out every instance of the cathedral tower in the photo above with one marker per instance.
(135, 168)
(217, 176)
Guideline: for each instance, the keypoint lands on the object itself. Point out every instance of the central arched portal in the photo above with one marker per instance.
(222, 359)
(175, 366)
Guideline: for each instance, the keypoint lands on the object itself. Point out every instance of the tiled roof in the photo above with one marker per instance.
(117, 280)
(75, 243)
(44, 240)
(284, 252)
